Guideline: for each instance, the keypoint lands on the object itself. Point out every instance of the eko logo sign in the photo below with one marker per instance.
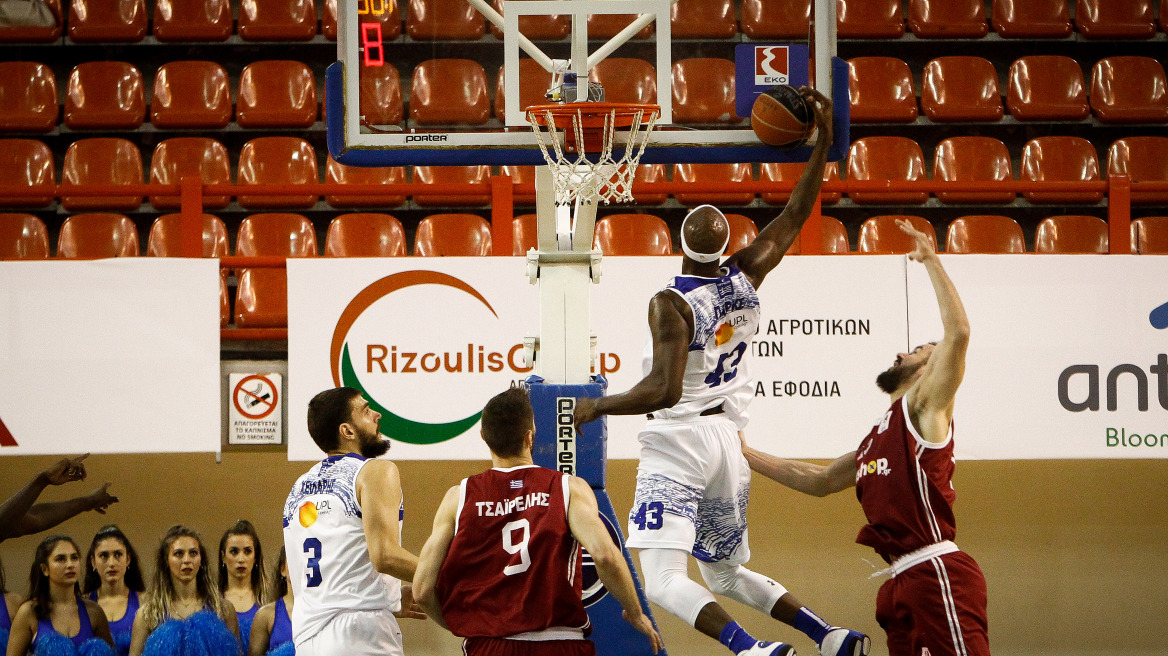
(771, 65)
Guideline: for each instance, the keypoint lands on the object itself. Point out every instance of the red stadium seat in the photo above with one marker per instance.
(703, 19)
(626, 80)
(102, 161)
(191, 94)
(363, 175)
(790, 172)
(1047, 88)
(880, 235)
(444, 20)
(165, 238)
(1149, 235)
(277, 20)
(947, 19)
(520, 175)
(742, 232)
(523, 234)
(833, 239)
(703, 91)
(276, 234)
(26, 162)
(533, 84)
(1060, 159)
(1071, 234)
(192, 20)
(713, 173)
(972, 159)
(776, 19)
(286, 161)
(539, 27)
(107, 20)
(97, 235)
(261, 299)
(1129, 89)
(386, 12)
(984, 234)
(381, 95)
(961, 89)
(869, 19)
(28, 94)
(365, 235)
(449, 92)
(452, 235)
(1141, 159)
(23, 237)
(452, 175)
(1031, 19)
(276, 94)
(880, 90)
(649, 173)
(1116, 19)
(606, 26)
(197, 157)
(886, 159)
(105, 95)
(632, 234)
(22, 34)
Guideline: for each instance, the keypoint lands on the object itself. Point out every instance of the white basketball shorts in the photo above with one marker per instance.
(692, 487)
(356, 633)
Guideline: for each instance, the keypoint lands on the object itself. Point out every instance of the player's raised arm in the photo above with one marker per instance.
(805, 477)
(584, 522)
(433, 555)
(767, 250)
(931, 399)
(379, 493)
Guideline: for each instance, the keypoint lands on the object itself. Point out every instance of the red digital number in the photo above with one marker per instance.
(373, 50)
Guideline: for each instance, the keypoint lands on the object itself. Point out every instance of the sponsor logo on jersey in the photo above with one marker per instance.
(878, 467)
(771, 65)
(308, 514)
(723, 334)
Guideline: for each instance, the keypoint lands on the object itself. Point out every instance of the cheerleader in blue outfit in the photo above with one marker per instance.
(56, 620)
(113, 578)
(11, 602)
(271, 633)
(242, 578)
(184, 614)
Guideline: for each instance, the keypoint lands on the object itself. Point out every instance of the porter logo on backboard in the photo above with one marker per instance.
(771, 65)
(565, 435)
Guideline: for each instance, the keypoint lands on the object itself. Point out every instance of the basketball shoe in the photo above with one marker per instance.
(843, 642)
(761, 648)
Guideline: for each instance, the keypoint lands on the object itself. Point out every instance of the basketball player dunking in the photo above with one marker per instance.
(935, 602)
(692, 481)
(502, 567)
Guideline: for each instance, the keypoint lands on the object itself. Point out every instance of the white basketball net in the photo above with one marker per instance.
(604, 177)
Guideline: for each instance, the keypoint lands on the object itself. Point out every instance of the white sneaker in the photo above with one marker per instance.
(761, 648)
(842, 642)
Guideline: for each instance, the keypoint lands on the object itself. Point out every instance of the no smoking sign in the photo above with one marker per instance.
(254, 414)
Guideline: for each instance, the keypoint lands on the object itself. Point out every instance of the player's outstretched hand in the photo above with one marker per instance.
(66, 470)
(924, 248)
(585, 411)
(410, 609)
(100, 499)
(822, 106)
(643, 624)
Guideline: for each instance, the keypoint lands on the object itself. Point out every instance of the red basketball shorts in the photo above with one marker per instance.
(937, 608)
(505, 647)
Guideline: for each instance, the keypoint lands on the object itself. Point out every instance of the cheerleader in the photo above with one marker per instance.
(271, 633)
(242, 578)
(113, 579)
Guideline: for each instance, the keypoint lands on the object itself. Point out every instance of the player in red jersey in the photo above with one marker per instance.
(935, 602)
(502, 567)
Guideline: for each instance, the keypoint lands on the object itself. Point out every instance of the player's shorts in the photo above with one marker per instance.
(506, 647)
(938, 605)
(356, 633)
(692, 487)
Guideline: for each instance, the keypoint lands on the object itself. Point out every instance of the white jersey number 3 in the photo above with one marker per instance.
(511, 547)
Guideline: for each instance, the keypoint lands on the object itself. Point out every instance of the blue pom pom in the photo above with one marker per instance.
(164, 640)
(95, 647)
(284, 649)
(53, 644)
(122, 642)
(216, 639)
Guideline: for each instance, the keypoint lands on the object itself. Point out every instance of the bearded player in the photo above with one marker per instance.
(935, 602)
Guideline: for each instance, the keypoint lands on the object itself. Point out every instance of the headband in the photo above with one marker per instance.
(704, 257)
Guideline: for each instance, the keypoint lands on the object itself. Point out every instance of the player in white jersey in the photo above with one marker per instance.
(342, 533)
(692, 481)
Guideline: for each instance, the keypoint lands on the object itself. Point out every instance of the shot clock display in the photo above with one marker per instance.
(372, 48)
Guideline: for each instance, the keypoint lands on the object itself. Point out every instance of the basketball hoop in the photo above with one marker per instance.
(567, 133)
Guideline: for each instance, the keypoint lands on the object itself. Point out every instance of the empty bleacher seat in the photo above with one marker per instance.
(444, 20)
(1047, 88)
(198, 157)
(790, 172)
(102, 161)
(105, 95)
(961, 88)
(606, 26)
(1142, 159)
(1149, 235)
(449, 92)
(881, 235)
(776, 19)
(1071, 234)
(886, 159)
(703, 19)
(1065, 159)
(649, 173)
(451, 235)
(972, 159)
(261, 299)
(26, 162)
(276, 94)
(452, 175)
(542, 26)
(523, 234)
(192, 20)
(277, 20)
(287, 161)
(869, 19)
(28, 94)
(626, 80)
(385, 12)
(381, 95)
(36, 34)
(632, 234)
(165, 238)
(1129, 89)
(364, 175)
(703, 91)
(97, 235)
(742, 232)
(984, 233)
(520, 175)
(880, 90)
(713, 173)
(190, 94)
(23, 237)
(1116, 19)
(107, 20)
(365, 235)
(947, 19)
(1031, 19)
(533, 84)
(833, 238)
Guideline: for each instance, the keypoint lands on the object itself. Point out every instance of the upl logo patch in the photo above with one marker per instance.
(771, 65)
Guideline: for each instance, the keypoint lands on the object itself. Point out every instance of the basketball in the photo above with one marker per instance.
(781, 117)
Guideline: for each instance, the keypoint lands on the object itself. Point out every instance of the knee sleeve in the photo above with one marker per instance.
(743, 585)
(668, 585)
